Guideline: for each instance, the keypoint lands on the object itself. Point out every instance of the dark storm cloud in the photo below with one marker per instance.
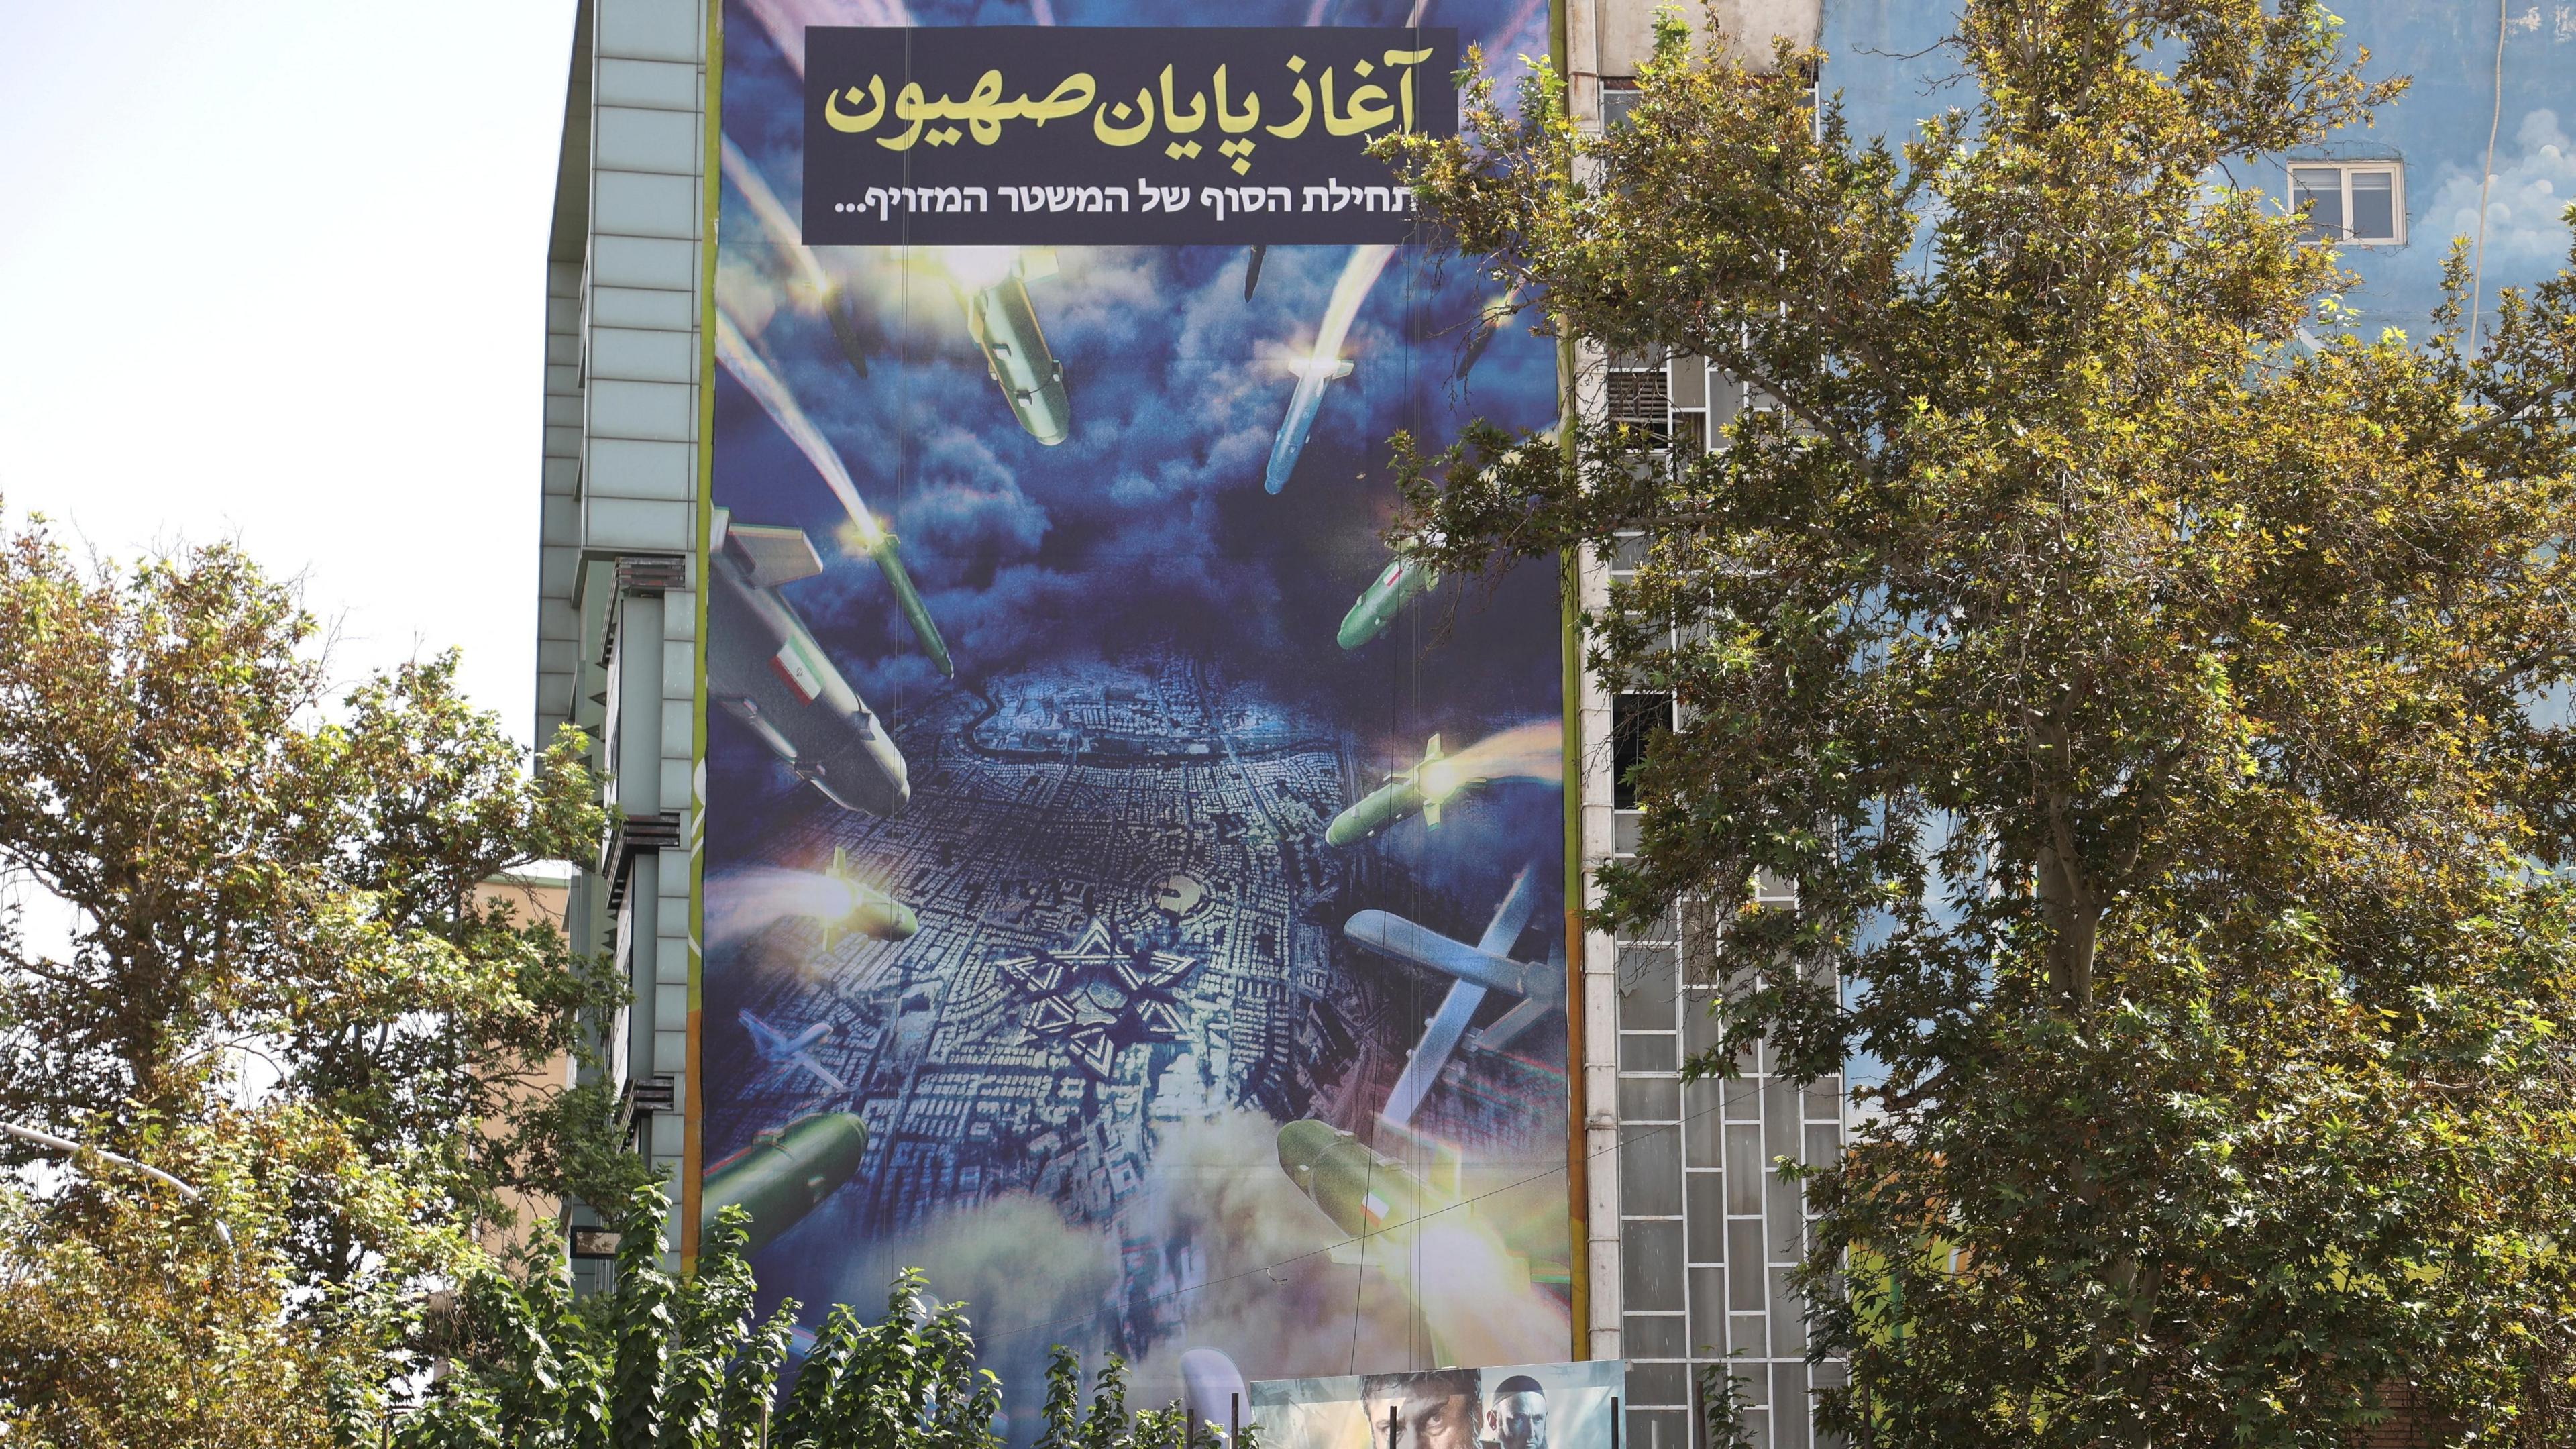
(1148, 522)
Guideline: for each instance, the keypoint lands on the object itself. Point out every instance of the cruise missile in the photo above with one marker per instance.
(992, 285)
(872, 913)
(1421, 791)
(784, 1174)
(889, 562)
(1483, 1305)
(1312, 373)
(1488, 321)
(1324, 361)
(765, 668)
(1252, 279)
(1363, 1193)
(1393, 935)
(1402, 581)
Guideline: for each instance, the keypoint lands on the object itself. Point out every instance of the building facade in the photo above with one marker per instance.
(616, 614)
(1684, 1228)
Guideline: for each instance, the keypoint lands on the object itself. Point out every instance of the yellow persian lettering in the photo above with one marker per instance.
(1362, 113)
(1173, 120)
(911, 105)
(1235, 123)
(854, 124)
(983, 110)
(1143, 110)
(1305, 106)
(1069, 98)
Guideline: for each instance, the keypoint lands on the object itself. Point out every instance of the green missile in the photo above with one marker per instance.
(992, 285)
(1421, 791)
(784, 1174)
(1384, 599)
(1362, 1192)
(872, 913)
(890, 563)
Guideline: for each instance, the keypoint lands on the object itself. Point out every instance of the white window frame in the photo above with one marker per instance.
(2344, 170)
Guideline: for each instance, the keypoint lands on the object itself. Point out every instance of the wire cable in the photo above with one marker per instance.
(2486, 181)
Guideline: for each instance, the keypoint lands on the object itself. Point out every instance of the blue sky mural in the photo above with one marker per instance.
(1886, 61)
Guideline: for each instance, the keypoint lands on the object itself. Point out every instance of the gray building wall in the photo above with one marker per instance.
(616, 620)
(1691, 1228)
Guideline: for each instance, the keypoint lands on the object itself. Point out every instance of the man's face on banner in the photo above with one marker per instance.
(1427, 1416)
(1524, 1422)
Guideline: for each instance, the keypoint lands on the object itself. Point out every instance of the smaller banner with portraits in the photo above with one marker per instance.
(1526, 1406)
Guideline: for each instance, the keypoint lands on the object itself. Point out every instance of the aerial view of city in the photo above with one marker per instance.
(1129, 933)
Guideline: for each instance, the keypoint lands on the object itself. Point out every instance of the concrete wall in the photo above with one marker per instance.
(533, 1216)
(1627, 30)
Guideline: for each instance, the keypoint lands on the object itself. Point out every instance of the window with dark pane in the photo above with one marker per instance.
(2374, 205)
(2316, 192)
(1619, 98)
(1635, 719)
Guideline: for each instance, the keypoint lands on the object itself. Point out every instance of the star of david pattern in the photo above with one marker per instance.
(1097, 996)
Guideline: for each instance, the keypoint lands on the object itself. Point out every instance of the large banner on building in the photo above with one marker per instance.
(1132, 894)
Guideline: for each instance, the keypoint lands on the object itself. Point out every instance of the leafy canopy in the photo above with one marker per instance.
(286, 972)
(667, 1364)
(2152, 709)
(274, 888)
(133, 1319)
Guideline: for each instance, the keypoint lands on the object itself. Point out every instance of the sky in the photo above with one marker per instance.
(274, 271)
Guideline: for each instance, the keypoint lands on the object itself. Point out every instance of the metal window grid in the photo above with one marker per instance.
(1708, 1228)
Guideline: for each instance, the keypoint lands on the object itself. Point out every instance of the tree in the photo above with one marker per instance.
(133, 1319)
(281, 976)
(2144, 704)
(667, 1364)
(263, 873)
